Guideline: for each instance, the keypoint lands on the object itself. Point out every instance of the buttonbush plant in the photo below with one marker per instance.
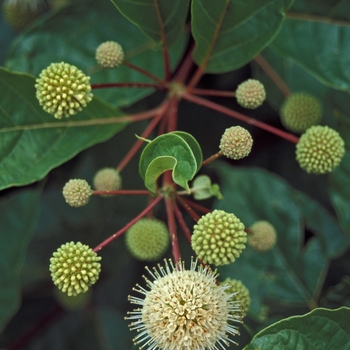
(177, 119)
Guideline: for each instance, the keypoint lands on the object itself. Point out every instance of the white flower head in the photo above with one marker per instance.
(184, 310)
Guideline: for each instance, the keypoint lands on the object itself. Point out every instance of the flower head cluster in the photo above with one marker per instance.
(218, 238)
(184, 309)
(319, 150)
(63, 89)
(147, 239)
(250, 94)
(236, 143)
(110, 54)
(300, 111)
(238, 292)
(262, 237)
(19, 14)
(77, 192)
(107, 179)
(74, 268)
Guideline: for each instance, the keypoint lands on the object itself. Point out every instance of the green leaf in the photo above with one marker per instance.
(202, 188)
(318, 46)
(73, 34)
(319, 329)
(291, 273)
(160, 19)
(170, 152)
(19, 217)
(229, 33)
(33, 142)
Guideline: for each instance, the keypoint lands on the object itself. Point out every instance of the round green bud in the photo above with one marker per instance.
(72, 303)
(218, 238)
(262, 237)
(77, 192)
(300, 111)
(19, 15)
(63, 90)
(110, 54)
(148, 239)
(250, 94)
(74, 268)
(240, 293)
(107, 179)
(319, 150)
(236, 143)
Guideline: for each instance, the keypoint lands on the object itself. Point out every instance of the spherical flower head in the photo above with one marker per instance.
(319, 150)
(238, 293)
(74, 268)
(250, 94)
(148, 239)
(110, 54)
(218, 238)
(107, 179)
(236, 143)
(63, 89)
(77, 192)
(262, 237)
(19, 15)
(300, 111)
(184, 309)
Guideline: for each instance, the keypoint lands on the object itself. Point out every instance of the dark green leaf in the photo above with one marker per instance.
(159, 19)
(18, 220)
(33, 142)
(319, 329)
(229, 33)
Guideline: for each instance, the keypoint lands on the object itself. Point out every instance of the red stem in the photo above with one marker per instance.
(185, 67)
(128, 225)
(212, 105)
(212, 158)
(123, 192)
(182, 223)
(135, 85)
(208, 92)
(197, 206)
(169, 204)
(172, 114)
(188, 208)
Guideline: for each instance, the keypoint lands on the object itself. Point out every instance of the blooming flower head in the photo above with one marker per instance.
(184, 310)
(250, 94)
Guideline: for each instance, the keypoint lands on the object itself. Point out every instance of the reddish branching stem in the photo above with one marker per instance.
(212, 158)
(123, 85)
(182, 222)
(196, 206)
(169, 204)
(188, 208)
(207, 92)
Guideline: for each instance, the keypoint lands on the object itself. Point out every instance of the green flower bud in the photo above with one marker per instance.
(236, 143)
(107, 179)
(218, 238)
(262, 237)
(74, 268)
(77, 192)
(147, 239)
(109, 54)
(63, 90)
(300, 111)
(19, 15)
(319, 150)
(240, 293)
(250, 94)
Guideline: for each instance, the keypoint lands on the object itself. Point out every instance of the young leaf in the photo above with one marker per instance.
(319, 329)
(161, 20)
(203, 188)
(229, 33)
(33, 142)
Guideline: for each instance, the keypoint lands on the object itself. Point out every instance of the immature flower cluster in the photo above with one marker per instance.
(110, 54)
(236, 143)
(63, 89)
(19, 14)
(319, 150)
(107, 179)
(77, 192)
(184, 309)
(300, 111)
(147, 239)
(218, 238)
(250, 94)
(74, 268)
(262, 236)
(238, 292)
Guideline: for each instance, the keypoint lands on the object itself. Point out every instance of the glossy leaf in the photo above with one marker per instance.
(202, 188)
(18, 221)
(170, 152)
(290, 274)
(160, 19)
(229, 33)
(33, 142)
(73, 34)
(319, 329)
(318, 46)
